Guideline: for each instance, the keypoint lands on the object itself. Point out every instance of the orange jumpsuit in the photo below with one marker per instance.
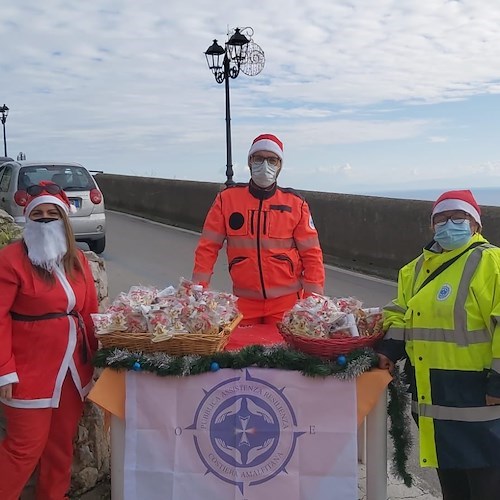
(273, 251)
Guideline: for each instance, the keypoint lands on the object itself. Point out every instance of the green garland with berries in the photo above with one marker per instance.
(284, 358)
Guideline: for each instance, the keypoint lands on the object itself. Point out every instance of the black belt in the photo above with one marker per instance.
(85, 344)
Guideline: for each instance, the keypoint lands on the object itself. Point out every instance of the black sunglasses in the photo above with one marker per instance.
(36, 189)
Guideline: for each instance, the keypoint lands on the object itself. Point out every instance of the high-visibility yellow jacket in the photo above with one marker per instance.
(450, 330)
(271, 242)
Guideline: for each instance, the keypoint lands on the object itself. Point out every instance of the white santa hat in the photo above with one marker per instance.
(30, 202)
(457, 200)
(267, 142)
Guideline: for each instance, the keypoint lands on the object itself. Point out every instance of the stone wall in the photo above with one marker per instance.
(91, 460)
(370, 234)
(91, 448)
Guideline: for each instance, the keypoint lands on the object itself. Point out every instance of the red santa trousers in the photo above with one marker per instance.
(44, 437)
(267, 311)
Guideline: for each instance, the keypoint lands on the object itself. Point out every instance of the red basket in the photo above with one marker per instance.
(330, 347)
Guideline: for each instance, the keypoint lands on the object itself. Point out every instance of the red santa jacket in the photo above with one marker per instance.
(272, 245)
(35, 356)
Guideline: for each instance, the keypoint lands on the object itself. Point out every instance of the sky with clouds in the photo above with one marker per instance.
(367, 95)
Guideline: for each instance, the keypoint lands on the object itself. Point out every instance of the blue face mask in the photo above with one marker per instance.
(451, 236)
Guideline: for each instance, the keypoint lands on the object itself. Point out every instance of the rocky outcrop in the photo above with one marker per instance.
(91, 460)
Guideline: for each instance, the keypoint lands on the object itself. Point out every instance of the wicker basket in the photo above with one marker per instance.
(328, 348)
(180, 344)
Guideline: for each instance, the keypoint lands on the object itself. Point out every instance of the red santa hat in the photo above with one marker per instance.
(457, 200)
(267, 142)
(44, 192)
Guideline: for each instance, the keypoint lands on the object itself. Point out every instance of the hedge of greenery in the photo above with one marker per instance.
(9, 230)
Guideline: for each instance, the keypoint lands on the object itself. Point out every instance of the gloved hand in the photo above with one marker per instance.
(385, 363)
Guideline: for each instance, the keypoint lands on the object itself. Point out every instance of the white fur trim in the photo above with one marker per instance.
(28, 403)
(9, 378)
(46, 198)
(72, 338)
(266, 145)
(454, 204)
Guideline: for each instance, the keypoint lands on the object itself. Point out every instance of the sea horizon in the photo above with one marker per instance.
(485, 196)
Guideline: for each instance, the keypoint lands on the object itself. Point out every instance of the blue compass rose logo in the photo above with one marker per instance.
(245, 430)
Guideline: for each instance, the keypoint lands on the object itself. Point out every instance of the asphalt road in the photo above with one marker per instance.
(147, 253)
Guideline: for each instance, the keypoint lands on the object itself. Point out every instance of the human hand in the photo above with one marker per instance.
(6, 392)
(384, 363)
(492, 400)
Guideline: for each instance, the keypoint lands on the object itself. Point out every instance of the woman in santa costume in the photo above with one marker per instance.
(46, 345)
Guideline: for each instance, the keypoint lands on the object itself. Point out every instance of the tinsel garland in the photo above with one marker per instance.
(400, 425)
(278, 357)
(345, 367)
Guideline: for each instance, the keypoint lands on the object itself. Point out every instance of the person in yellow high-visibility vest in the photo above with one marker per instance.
(445, 321)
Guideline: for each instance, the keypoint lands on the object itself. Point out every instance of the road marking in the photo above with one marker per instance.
(361, 275)
(156, 223)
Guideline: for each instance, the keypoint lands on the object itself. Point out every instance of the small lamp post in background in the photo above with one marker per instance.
(239, 53)
(5, 112)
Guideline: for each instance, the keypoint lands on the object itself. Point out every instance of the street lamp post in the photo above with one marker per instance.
(5, 112)
(225, 63)
(240, 53)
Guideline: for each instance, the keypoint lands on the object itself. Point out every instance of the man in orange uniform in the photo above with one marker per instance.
(272, 245)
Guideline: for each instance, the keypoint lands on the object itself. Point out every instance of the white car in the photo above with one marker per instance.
(89, 220)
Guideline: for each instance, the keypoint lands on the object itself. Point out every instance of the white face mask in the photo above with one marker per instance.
(46, 242)
(264, 175)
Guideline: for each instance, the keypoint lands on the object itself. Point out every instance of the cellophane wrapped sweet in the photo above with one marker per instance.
(324, 317)
(185, 309)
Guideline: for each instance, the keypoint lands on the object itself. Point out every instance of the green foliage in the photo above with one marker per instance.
(9, 231)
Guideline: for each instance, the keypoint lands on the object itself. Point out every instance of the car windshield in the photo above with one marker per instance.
(70, 178)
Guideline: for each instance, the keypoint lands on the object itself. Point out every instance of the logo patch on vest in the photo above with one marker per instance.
(311, 222)
(236, 220)
(444, 292)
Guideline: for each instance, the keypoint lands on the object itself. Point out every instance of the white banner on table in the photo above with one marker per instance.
(252, 434)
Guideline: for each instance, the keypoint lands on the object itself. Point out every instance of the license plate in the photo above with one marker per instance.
(76, 202)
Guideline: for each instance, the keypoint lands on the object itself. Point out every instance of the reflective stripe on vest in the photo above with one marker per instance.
(311, 242)
(495, 365)
(265, 243)
(414, 406)
(459, 335)
(312, 288)
(271, 293)
(394, 308)
(470, 414)
(197, 277)
(213, 236)
(495, 320)
(395, 334)
(418, 267)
